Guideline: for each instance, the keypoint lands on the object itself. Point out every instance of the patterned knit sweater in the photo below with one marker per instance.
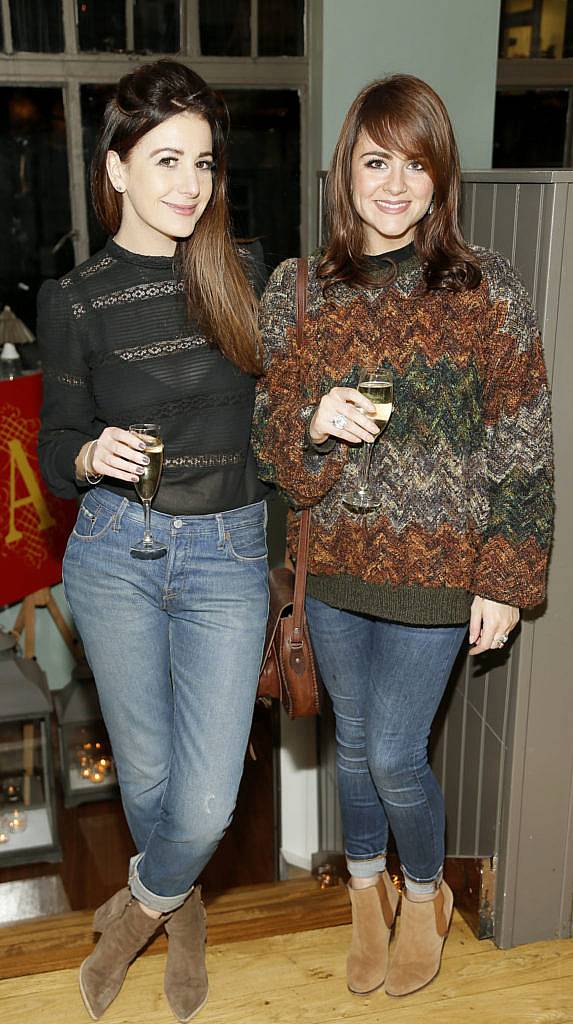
(464, 466)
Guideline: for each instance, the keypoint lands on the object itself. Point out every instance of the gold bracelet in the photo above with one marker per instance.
(91, 479)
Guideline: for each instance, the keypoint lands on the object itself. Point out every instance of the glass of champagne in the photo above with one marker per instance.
(375, 383)
(147, 485)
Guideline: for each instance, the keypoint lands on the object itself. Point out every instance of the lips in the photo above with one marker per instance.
(388, 207)
(183, 211)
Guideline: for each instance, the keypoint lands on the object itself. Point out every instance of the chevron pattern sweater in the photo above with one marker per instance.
(464, 466)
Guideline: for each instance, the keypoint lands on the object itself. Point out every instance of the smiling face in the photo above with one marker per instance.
(166, 182)
(390, 192)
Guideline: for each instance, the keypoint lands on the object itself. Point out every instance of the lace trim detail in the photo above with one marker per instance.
(137, 293)
(224, 459)
(65, 378)
(105, 261)
(194, 403)
(155, 350)
(78, 310)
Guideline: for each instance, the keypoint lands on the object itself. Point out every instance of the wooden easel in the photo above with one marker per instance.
(26, 623)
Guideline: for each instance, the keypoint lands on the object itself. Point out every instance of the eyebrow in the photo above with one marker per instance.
(178, 152)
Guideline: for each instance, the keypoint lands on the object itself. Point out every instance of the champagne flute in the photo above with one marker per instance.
(375, 383)
(147, 485)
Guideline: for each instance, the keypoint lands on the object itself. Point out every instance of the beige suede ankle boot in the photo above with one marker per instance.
(125, 929)
(373, 913)
(186, 985)
(418, 947)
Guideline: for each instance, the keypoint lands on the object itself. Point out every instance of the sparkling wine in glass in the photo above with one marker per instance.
(376, 384)
(147, 485)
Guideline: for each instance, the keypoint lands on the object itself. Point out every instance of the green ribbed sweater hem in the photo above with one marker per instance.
(414, 605)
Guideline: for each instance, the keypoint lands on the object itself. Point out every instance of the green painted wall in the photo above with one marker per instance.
(452, 44)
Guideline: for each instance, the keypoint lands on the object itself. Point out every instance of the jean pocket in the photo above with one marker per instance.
(247, 543)
(93, 521)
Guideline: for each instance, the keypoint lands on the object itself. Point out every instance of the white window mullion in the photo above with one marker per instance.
(254, 28)
(190, 34)
(76, 171)
(70, 23)
(130, 25)
(7, 25)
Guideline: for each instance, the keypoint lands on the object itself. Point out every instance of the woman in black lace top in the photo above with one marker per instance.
(161, 327)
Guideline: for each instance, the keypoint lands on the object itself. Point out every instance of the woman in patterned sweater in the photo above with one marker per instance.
(463, 469)
(161, 326)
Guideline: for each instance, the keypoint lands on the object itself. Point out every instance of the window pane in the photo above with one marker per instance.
(37, 27)
(264, 159)
(530, 128)
(93, 101)
(101, 25)
(225, 27)
(156, 26)
(264, 165)
(281, 28)
(536, 28)
(34, 195)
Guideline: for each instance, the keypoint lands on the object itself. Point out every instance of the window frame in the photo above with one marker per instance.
(73, 68)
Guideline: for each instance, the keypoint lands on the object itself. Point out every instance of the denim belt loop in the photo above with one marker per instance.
(118, 515)
(221, 529)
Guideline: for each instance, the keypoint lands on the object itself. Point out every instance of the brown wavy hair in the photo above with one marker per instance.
(405, 115)
(218, 292)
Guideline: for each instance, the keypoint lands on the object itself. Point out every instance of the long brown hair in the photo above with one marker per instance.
(403, 114)
(219, 295)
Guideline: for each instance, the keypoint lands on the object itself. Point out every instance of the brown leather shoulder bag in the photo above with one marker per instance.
(288, 670)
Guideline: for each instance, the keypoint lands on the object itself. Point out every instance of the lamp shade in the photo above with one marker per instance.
(12, 329)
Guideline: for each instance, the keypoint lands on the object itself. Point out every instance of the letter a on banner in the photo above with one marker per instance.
(19, 464)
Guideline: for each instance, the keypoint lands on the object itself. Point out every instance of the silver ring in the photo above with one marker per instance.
(339, 421)
(501, 640)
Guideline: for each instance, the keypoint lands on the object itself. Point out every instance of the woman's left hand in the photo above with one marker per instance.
(490, 624)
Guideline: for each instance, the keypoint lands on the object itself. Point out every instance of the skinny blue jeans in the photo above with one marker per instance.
(175, 647)
(385, 681)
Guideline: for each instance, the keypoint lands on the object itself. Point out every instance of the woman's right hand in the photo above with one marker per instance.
(342, 413)
(116, 452)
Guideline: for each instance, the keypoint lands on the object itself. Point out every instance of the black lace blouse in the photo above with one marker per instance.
(117, 347)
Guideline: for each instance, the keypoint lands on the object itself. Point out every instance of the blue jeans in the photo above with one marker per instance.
(175, 647)
(385, 681)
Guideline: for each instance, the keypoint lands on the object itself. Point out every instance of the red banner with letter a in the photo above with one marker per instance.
(34, 525)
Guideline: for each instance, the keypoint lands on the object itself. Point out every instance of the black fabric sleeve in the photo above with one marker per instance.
(68, 417)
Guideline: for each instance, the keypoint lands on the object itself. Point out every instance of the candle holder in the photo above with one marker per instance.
(17, 821)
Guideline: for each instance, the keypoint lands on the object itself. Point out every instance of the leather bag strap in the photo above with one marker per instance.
(304, 536)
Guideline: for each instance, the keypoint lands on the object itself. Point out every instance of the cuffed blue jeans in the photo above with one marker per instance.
(175, 646)
(385, 681)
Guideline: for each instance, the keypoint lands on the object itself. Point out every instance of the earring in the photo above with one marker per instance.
(120, 189)
(430, 209)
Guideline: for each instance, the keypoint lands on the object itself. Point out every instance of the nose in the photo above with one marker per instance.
(188, 183)
(395, 183)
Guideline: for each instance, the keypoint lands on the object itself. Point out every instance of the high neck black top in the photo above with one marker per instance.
(117, 348)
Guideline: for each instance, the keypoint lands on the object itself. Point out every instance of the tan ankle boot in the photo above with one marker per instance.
(125, 929)
(418, 948)
(373, 913)
(186, 985)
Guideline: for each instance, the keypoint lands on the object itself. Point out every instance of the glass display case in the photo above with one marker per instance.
(28, 830)
(87, 768)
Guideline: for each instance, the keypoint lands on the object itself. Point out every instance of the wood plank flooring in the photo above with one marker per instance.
(298, 978)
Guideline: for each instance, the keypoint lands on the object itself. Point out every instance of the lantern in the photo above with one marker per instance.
(87, 767)
(28, 829)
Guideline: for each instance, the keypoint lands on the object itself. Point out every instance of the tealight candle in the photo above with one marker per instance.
(17, 821)
(4, 837)
(86, 771)
(12, 793)
(103, 762)
(96, 774)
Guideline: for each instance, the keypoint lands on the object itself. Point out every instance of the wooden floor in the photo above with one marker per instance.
(298, 977)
